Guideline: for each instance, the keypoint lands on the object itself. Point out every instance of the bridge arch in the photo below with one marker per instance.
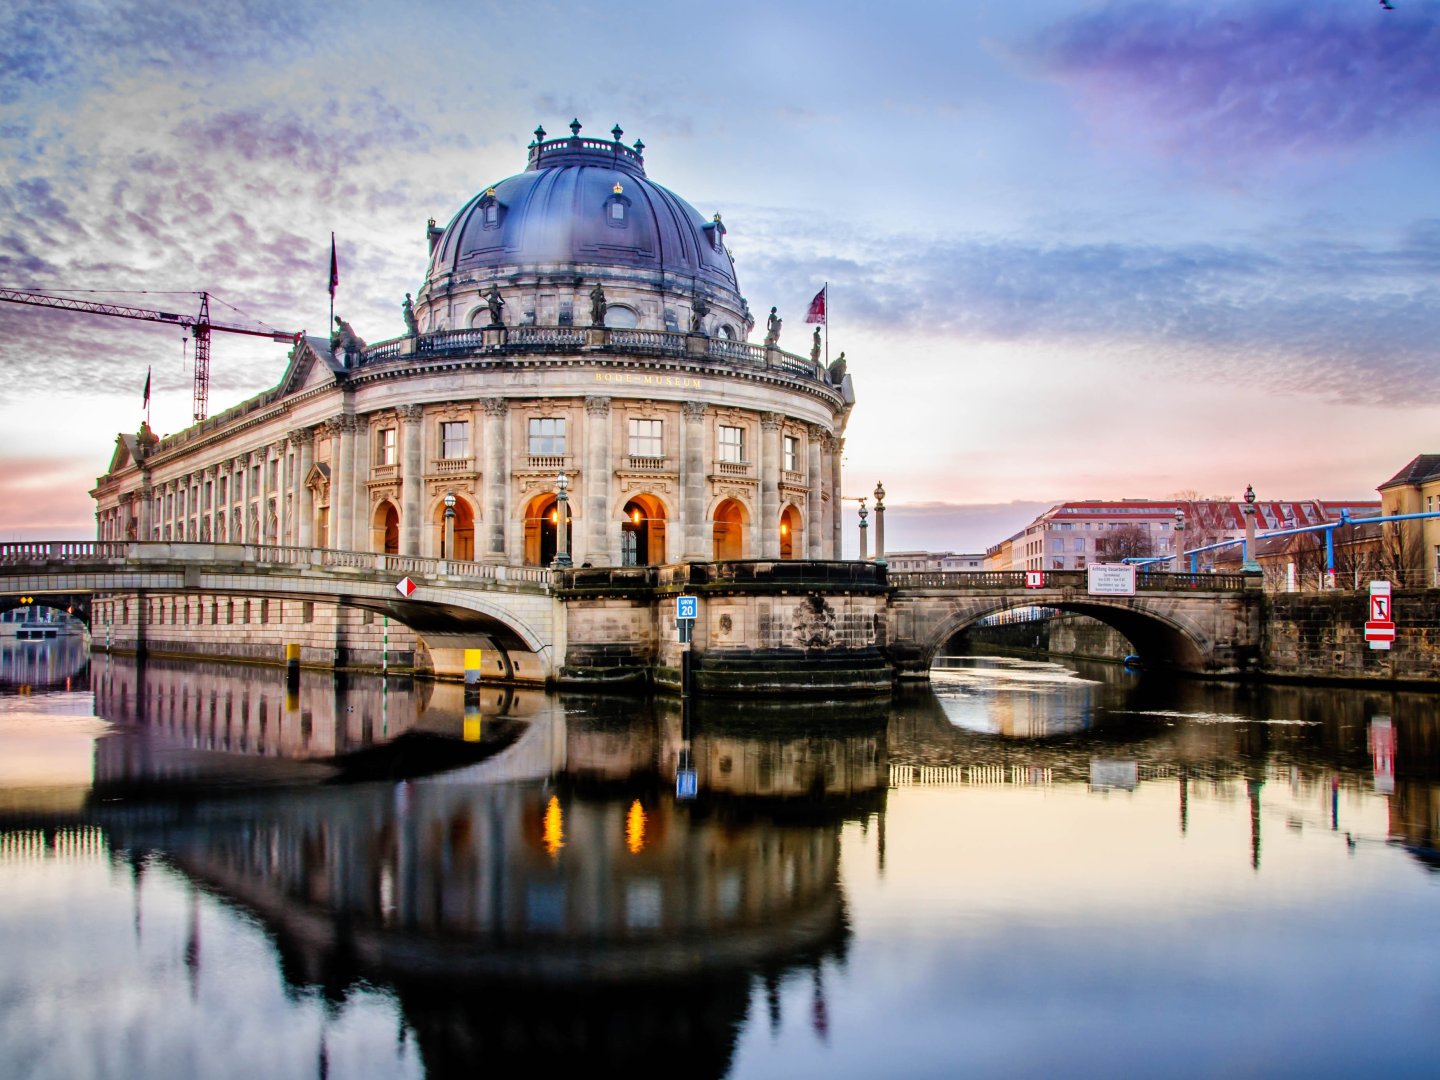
(1162, 638)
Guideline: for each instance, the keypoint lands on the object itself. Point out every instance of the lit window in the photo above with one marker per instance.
(792, 453)
(647, 438)
(547, 436)
(386, 450)
(732, 444)
(455, 439)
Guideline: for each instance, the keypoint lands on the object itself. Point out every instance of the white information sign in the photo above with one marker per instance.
(1110, 579)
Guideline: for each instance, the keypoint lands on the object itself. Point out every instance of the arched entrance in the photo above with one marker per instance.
(542, 518)
(642, 532)
(729, 530)
(385, 529)
(792, 533)
(464, 530)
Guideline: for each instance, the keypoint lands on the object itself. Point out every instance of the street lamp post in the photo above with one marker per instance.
(879, 522)
(562, 523)
(1179, 540)
(864, 542)
(449, 552)
(1251, 563)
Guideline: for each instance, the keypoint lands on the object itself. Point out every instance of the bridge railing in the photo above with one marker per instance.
(32, 553)
(1060, 579)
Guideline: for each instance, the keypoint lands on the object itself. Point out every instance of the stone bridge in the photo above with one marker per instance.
(764, 626)
(455, 605)
(1198, 623)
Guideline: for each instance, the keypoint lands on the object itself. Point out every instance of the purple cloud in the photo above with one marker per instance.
(1246, 81)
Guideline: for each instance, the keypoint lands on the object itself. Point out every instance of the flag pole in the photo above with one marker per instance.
(334, 280)
(826, 291)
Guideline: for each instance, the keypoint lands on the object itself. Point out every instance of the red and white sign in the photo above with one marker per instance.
(1034, 579)
(1380, 607)
(1380, 630)
(1376, 630)
(406, 586)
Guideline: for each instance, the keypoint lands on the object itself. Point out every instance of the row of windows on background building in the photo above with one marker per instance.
(547, 435)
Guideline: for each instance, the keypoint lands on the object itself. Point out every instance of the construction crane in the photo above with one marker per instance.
(199, 325)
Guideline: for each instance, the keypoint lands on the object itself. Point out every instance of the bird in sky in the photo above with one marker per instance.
(1387, 5)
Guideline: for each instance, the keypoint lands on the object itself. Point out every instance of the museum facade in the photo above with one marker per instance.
(577, 320)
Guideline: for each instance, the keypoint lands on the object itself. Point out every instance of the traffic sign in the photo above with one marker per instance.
(1379, 630)
(1034, 579)
(687, 607)
(1110, 579)
(1380, 607)
(406, 586)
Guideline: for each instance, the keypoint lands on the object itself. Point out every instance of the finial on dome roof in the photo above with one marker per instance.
(639, 148)
(575, 126)
(616, 132)
(539, 133)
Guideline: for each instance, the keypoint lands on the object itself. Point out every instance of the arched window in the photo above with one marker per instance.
(617, 208)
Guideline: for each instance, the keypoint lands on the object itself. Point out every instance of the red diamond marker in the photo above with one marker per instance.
(406, 586)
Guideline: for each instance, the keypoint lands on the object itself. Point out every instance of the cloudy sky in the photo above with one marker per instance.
(1074, 249)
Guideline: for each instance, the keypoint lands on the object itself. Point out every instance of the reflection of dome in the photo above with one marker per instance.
(583, 206)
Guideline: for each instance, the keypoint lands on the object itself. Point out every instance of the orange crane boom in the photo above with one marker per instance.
(199, 326)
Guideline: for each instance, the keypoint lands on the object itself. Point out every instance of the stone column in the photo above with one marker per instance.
(145, 512)
(412, 485)
(837, 491)
(496, 480)
(277, 494)
(360, 485)
(342, 498)
(769, 546)
(304, 440)
(240, 472)
(815, 514)
(692, 484)
(598, 475)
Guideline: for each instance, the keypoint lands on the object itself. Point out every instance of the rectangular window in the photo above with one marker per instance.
(274, 474)
(455, 439)
(385, 447)
(732, 444)
(792, 453)
(647, 438)
(547, 436)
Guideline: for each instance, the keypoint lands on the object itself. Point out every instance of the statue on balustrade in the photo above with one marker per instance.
(772, 329)
(836, 375)
(698, 310)
(407, 309)
(815, 347)
(497, 306)
(597, 305)
(345, 341)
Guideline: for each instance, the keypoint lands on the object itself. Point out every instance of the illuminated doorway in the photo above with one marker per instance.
(729, 530)
(385, 529)
(642, 533)
(542, 516)
(792, 534)
(464, 530)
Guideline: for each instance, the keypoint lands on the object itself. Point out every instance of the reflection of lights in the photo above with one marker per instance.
(635, 828)
(554, 827)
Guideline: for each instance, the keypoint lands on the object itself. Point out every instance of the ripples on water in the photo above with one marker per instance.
(1026, 869)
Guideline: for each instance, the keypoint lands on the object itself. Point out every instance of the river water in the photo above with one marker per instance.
(1026, 869)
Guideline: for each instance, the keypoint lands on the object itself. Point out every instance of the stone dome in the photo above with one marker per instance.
(579, 203)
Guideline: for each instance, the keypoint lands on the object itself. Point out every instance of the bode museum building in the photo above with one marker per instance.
(580, 329)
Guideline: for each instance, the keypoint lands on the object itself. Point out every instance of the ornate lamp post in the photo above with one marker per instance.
(879, 522)
(449, 552)
(562, 524)
(864, 542)
(1249, 511)
(1180, 567)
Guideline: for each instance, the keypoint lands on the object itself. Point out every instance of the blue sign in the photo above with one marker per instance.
(685, 785)
(687, 607)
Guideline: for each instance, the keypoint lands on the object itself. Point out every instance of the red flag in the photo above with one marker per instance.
(147, 389)
(334, 268)
(817, 307)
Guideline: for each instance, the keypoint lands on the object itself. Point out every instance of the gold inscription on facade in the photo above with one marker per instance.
(631, 378)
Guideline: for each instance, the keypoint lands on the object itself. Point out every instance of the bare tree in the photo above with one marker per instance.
(1401, 555)
(1125, 542)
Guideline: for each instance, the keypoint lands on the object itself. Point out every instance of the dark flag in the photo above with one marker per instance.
(817, 307)
(147, 389)
(334, 268)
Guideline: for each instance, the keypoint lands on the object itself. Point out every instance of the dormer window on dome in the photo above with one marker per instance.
(715, 232)
(492, 211)
(617, 207)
